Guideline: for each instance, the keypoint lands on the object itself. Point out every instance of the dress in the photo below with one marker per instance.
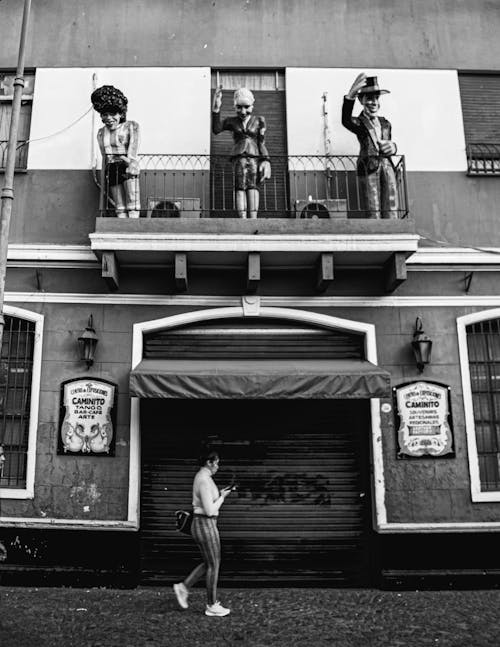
(248, 150)
(376, 173)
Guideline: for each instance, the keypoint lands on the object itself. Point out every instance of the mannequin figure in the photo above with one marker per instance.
(249, 154)
(376, 172)
(118, 141)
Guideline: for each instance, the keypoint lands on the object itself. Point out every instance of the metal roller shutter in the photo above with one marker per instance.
(262, 338)
(301, 511)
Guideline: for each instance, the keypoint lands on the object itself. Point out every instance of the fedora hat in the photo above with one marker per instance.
(372, 86)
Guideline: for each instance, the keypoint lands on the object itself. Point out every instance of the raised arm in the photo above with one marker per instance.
(348, 121)
(217, 125)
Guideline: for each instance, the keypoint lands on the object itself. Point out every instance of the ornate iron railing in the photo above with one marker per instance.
(301, 186)
(21, 154)
(483, 159)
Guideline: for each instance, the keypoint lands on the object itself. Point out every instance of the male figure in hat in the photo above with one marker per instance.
(375, 169)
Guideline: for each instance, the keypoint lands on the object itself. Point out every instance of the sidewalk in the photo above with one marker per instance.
(146, 617)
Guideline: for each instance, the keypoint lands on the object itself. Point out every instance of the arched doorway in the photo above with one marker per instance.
(302, 511)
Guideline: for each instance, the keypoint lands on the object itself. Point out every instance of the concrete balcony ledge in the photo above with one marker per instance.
(193, 244)
(261, 226)
(158, 238)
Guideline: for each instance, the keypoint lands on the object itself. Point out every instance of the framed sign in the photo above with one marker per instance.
(87, 418)
(423, 420)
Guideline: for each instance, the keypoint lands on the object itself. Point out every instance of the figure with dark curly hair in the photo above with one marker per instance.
(249, 155)
(118, 142)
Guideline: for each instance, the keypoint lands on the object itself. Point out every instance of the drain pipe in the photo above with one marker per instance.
(7, 196)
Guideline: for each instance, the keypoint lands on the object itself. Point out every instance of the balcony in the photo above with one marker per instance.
(311, 210)
(483, 159)
(201, 186)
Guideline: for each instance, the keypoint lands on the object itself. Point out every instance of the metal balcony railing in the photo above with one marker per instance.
(483, 159)
(302, 186)
(21, 154)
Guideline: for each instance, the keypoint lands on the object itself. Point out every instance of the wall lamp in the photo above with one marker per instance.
(421, 345)
(87, 343)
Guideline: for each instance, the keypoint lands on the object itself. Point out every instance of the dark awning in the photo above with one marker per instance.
(250, 379)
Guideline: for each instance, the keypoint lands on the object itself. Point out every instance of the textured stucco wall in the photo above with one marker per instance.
(380, 33)
(56, 207)
(78, 487)
(423, 491)
(170, 104)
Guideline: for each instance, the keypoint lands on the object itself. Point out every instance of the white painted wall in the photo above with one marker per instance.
(171, 105)
(424, 108)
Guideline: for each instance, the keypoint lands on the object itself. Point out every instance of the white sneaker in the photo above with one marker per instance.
(181, 593)
(216, 610)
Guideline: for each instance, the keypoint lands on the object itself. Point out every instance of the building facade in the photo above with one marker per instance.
(284, 341)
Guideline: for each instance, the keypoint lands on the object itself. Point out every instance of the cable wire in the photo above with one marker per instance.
(38, 139)
(448, 244)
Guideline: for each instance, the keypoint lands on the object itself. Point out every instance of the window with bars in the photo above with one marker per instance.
(483, 343)
(6, 96)
(16, 369)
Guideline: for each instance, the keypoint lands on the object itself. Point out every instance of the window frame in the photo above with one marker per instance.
(483, 151)
(26, 99)
(478, 495)
(28, 492)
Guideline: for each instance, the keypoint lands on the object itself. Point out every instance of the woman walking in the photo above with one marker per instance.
(207, 501)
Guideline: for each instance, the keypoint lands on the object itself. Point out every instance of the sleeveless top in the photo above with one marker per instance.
(214, 491)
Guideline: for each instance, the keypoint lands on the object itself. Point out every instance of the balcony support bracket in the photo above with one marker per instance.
(395, 271)
(325, 272)
(253, 274)
(181, 277)
(110, 270)
(468, 280)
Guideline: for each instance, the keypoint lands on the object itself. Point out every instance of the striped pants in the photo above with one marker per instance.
(380, 190)
(206, 535)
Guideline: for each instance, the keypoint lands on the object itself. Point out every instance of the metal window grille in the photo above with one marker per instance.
(483, 342)
(16, 368)
(483, 159)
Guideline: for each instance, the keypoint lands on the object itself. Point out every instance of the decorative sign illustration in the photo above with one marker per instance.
(88, 417)
(424, 425)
